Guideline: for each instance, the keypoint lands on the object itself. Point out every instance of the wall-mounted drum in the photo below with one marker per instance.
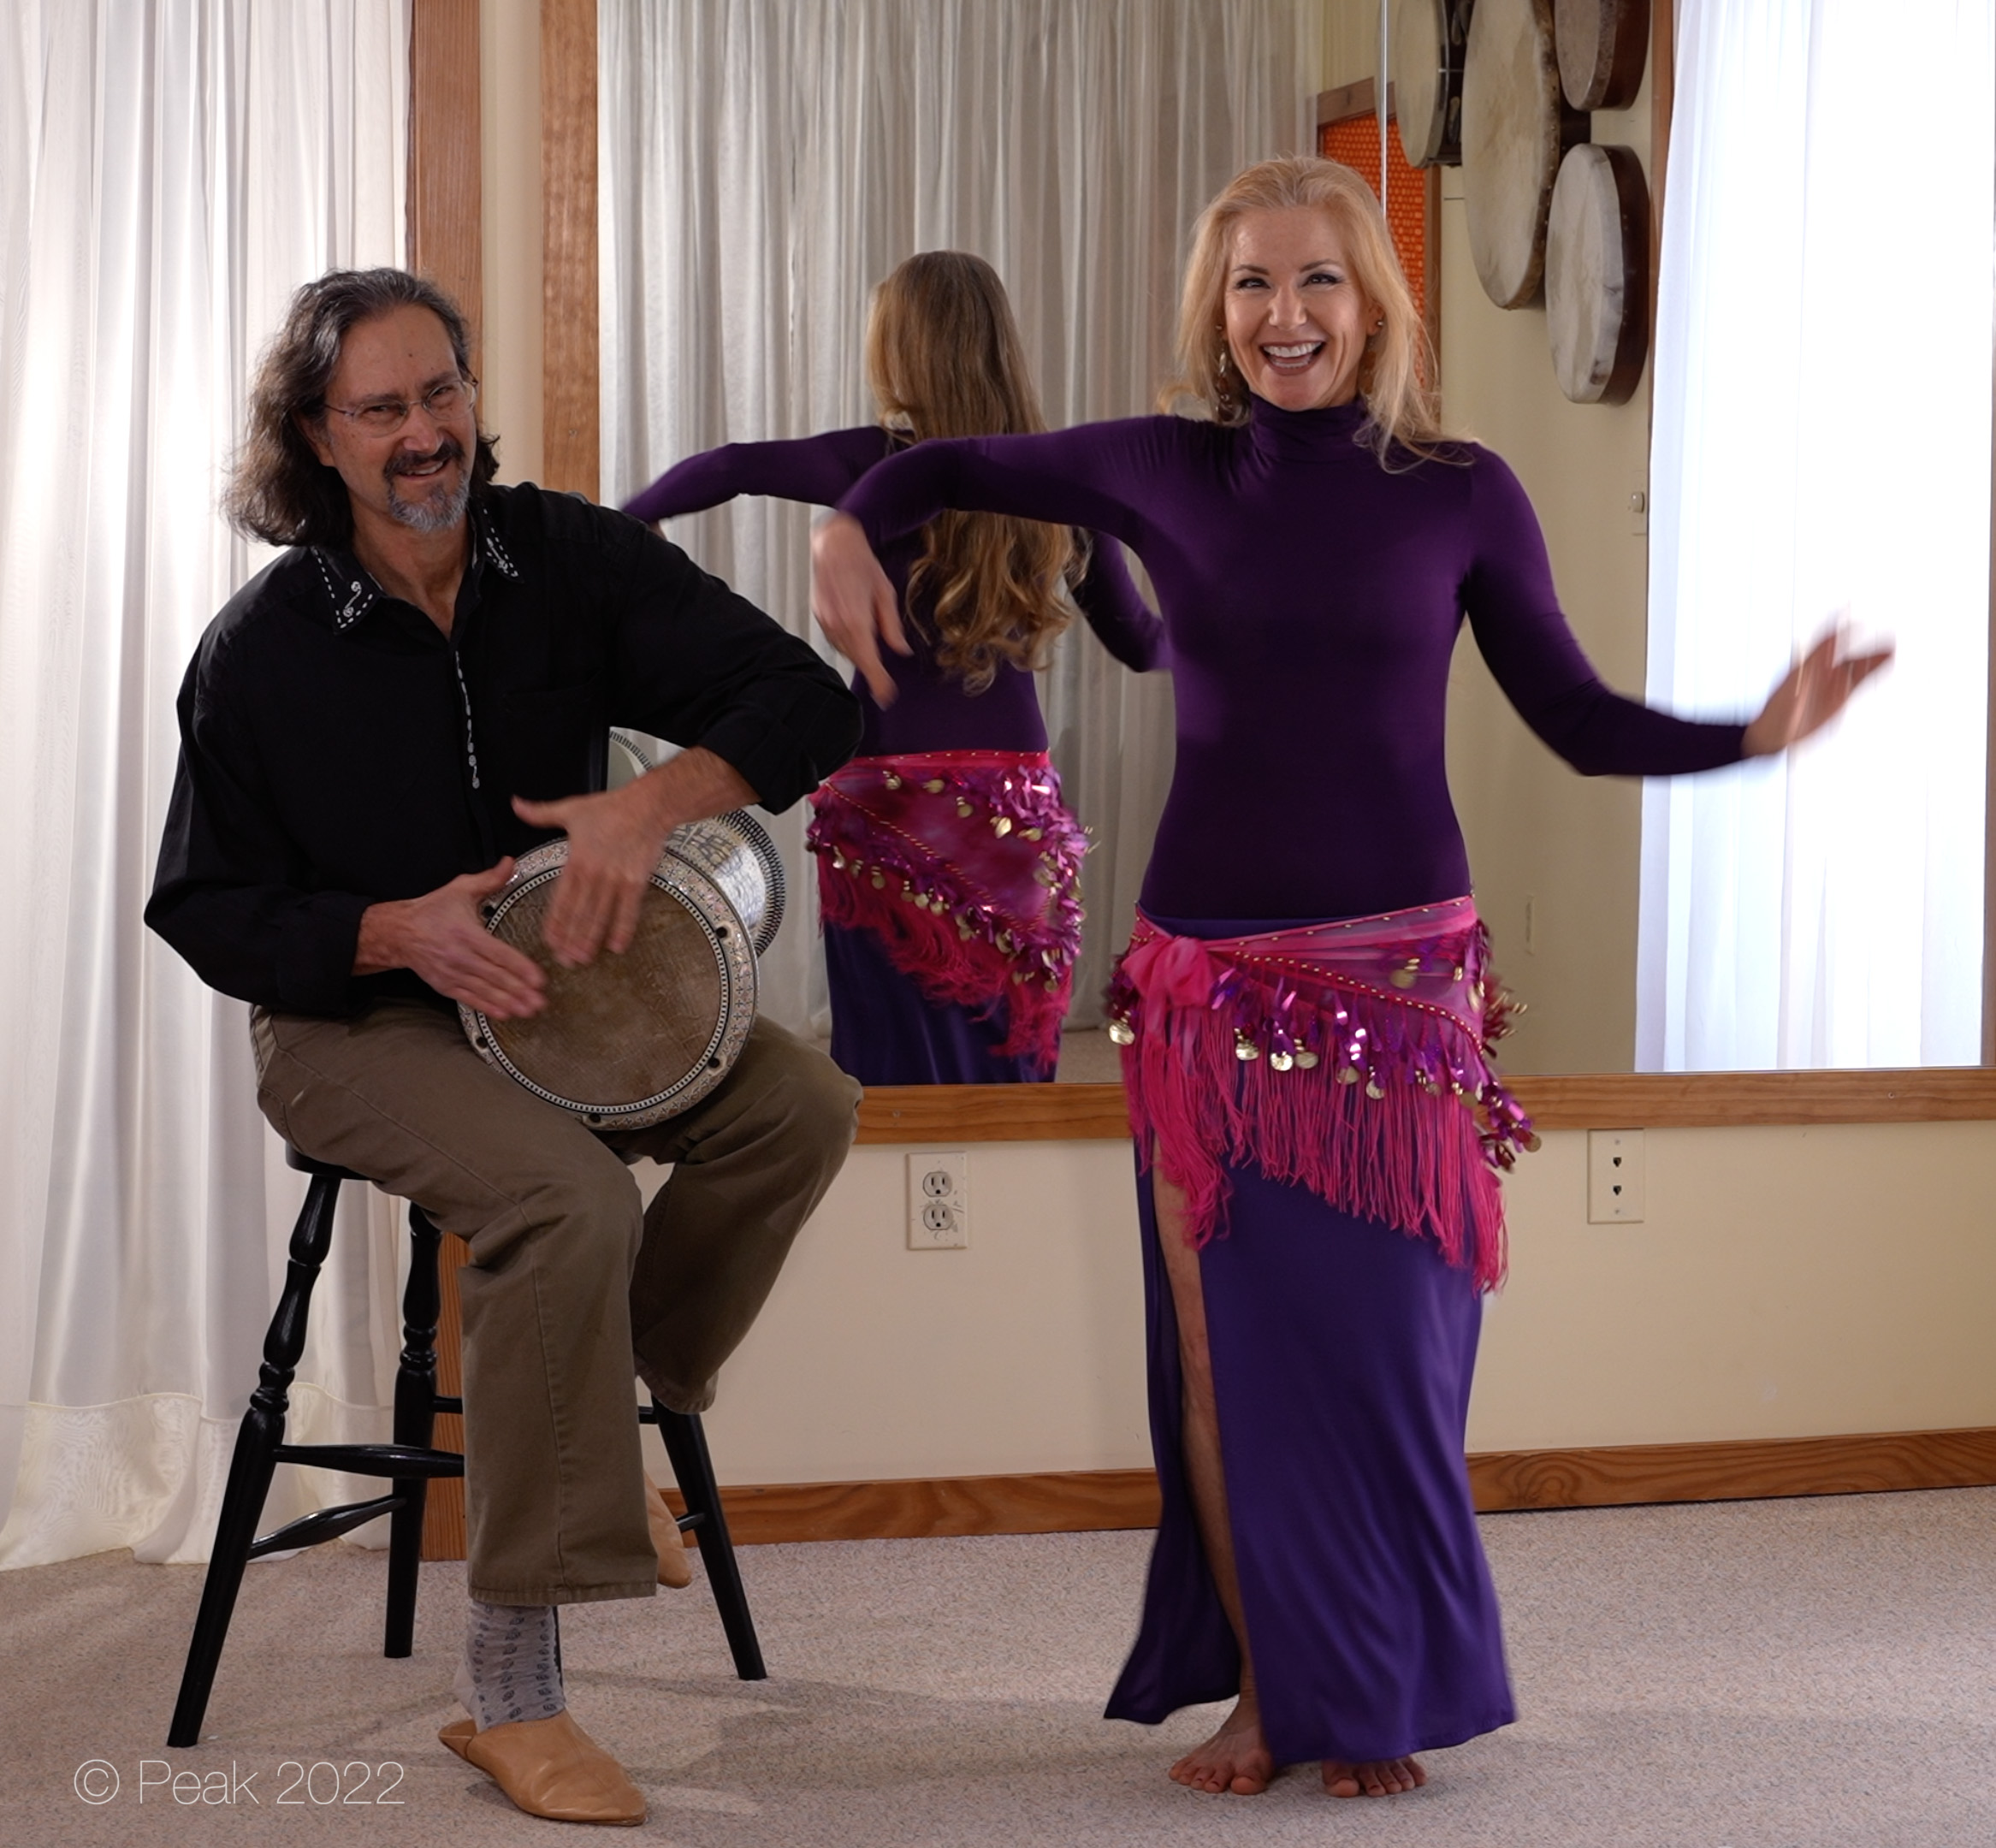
(1515, 127)
(631, 1040)
(1597, 275)
(1428, 40)
(1602, 47)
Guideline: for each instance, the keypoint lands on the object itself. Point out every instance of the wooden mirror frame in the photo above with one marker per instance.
(1062, 1112)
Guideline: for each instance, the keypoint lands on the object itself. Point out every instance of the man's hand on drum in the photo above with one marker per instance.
(1814, 691)
(442, 937)
(614, 840)
(854, 602)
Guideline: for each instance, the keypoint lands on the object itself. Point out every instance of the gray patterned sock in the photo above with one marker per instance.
(509, 1671)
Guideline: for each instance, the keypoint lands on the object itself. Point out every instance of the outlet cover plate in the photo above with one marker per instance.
(938, 1200)
(1615, 1190)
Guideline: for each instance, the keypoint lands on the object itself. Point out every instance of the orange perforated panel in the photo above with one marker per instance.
(1355, 142)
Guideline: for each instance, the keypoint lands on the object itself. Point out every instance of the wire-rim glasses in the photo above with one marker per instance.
(384, 416)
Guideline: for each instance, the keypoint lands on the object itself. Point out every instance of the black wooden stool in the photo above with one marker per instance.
(408, 1463)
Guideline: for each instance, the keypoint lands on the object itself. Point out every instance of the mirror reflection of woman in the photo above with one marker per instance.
(1305, 1009)
(948, 862)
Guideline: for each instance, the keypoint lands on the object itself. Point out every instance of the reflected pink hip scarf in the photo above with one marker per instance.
(966, 865)
(1349, 1057)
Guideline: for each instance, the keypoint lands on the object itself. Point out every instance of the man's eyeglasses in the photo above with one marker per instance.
(384, 416)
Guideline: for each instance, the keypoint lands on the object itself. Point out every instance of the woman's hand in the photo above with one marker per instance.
(1814, 693)
(854, 602)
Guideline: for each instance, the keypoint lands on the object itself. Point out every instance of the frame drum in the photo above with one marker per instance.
(1428, 40)
(1515, 127)
(1602, 44)
(1597, 275)
(632, 1039)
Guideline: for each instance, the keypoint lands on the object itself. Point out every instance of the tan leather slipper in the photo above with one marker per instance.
(550, 1767)
(675, 1569)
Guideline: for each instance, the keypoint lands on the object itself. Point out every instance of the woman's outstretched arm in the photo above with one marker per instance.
(819, 470)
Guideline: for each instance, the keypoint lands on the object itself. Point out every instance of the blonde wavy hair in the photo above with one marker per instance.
(1395, 377)
(943, 358)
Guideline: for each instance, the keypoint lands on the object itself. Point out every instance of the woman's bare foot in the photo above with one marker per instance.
(1371, 1777)
(1234, 1762)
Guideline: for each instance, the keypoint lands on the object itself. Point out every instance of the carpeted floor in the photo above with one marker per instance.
(1786, 1674)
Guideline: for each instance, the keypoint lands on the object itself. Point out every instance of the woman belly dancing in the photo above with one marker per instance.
(949, 867)
(1303, 1009)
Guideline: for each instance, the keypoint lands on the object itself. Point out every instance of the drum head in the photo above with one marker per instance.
(629, 1040)
(1515, 126)
(1597, 275)
(1427, 83)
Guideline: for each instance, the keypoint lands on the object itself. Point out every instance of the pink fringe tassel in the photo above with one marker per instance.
(1413, 1157)
(948, 967)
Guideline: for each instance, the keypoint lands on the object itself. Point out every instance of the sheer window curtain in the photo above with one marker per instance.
(764, 163)
(1821, 440)
(168, 174)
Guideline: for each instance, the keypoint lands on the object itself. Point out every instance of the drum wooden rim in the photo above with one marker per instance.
(1597, 275)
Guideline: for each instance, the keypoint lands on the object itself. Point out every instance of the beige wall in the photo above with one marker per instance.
(1787, 1282)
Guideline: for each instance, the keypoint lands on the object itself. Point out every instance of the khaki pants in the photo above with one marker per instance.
(571, 1288)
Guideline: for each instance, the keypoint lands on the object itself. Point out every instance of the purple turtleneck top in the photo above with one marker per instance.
(1312, 599)
(932, 711)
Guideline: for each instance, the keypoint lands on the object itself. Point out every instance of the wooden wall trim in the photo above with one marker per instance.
(1752, 1469)
(1094, 1501)
(447, 243)
(1593, 1100)
(570, 391)
(993, 1113)
(445, 239)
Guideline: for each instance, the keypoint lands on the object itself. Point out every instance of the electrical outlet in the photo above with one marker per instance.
(1614, 1176)
(938, 1201)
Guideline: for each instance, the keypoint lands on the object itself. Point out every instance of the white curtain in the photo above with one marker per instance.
(764, 163)
(1821, 441)
(168, 173)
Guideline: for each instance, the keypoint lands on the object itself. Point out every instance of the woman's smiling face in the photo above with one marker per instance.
(1296, 321)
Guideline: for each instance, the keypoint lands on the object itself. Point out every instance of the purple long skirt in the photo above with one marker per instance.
(1342, 1353)
(886, 1031)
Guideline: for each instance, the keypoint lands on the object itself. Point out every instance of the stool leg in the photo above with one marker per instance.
(256, 1457)
(686, 1445)
(415, 1422)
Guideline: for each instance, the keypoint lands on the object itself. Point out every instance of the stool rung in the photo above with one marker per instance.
(444, 1404)
(373, 1458)
(328, 1524)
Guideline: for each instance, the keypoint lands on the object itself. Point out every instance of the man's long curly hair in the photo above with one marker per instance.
(943, 358)
(278, 489)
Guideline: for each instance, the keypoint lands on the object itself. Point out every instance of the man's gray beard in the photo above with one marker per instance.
(431, 515)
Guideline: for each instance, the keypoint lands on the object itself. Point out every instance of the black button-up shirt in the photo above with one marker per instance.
(337, 749)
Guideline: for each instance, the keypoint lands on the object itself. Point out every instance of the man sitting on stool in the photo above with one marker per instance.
(369, 731)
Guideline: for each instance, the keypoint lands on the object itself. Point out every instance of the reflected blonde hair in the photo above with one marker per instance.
(1393, 377)
(943, 358)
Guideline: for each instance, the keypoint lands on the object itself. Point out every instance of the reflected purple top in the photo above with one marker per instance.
(1312, 599)
(932, 711)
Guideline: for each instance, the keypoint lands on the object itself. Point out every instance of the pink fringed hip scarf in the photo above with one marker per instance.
(1350, 1058)
(966, 865)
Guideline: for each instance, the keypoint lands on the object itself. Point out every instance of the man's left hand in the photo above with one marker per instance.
(614, 840)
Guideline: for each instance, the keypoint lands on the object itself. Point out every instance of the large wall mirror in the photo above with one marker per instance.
(725, 181)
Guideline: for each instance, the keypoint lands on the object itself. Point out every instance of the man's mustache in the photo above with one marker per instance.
(449, 450)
